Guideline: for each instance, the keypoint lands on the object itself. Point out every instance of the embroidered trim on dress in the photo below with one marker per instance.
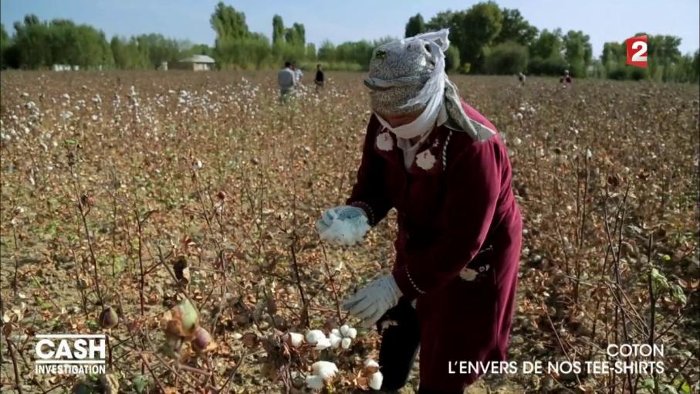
(408, 275)
(444, 151)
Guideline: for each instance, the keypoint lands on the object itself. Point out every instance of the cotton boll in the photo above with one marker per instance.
(324, 369)
(375, 381)
(294, 339)
(345, 343)
(313, 336)
(369, 363)
(323, 343)
(314, 382)
(335, 340)
(344, 330)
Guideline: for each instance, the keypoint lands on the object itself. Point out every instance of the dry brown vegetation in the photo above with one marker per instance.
(200, 186)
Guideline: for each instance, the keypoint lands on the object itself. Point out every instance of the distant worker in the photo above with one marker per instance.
(286, 79)
(565, 80)
(320, 78)
(521, 78)
(298, 74)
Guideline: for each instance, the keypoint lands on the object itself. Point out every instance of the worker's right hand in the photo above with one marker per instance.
(372, 301)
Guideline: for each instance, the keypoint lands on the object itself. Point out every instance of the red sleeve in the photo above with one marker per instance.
(474, 183)
(368, 192)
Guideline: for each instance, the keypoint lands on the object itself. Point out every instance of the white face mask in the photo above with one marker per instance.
(421, 125)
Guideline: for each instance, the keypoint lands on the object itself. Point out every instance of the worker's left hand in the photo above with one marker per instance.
(373, 300)
(343, 225)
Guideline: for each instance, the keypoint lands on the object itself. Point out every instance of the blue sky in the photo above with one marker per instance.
(350, 20)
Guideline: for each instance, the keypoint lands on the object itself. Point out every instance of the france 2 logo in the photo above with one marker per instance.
(637, 51)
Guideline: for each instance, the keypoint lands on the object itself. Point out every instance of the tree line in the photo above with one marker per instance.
(486, 39)
(492, 40)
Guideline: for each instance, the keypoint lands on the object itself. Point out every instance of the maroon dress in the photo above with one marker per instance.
(458, 244)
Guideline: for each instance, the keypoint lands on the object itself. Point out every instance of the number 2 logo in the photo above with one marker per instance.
(637, 51)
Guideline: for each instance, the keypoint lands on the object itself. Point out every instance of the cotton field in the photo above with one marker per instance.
(175, 213)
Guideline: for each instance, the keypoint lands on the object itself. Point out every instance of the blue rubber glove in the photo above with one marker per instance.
(343, 212)
(347, 225)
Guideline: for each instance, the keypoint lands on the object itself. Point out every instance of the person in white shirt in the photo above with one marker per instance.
(298, 74)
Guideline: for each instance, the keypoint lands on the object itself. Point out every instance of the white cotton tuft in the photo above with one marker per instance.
(352, 333)
(375, 381)
(323, 343)
(345, 232)
(324, 369)
(314, 382)
(336, 332)
(369, 363)
(335, 340)
(344, 330)
(345, 343)
(294, 338)
(313, 336)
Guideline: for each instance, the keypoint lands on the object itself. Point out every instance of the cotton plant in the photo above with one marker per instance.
(323, 372)
(338, 338)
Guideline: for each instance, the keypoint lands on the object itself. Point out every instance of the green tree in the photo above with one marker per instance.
(158, 49)
(326, 53)
(477, 28)
(577, 52)
(231, 35)
(515, 28)
(546, 54)
(452, 60)
(296, 35)
(32, 40)
(257, 50)
(665, 61)
(227, 22)
(444, 20)
(663, 55)
(506, 58)
(415, 26)
(127, 54)
(311, 51)
(547, 44)
(5, 47)
(613, 54)
(277, 30)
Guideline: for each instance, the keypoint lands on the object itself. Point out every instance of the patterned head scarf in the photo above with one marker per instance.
(408, 76)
